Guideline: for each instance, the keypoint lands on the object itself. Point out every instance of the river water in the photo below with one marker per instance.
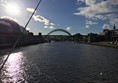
(62, 62)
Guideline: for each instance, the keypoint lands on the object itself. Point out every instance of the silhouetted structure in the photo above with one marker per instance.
(49, 38)
(77, 37)
(110, 35)
(11, 30)
(105, 36)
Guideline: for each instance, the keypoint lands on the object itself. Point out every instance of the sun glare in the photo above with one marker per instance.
(12, 9)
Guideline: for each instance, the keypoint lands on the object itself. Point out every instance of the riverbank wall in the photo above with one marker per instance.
(104, 44)
(31, 40)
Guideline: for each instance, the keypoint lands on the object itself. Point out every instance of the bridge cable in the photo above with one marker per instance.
(12, 49)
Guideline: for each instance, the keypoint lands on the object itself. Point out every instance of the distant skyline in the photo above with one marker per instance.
(75, 16)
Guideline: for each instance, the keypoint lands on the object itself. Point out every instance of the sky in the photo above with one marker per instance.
(75, 16)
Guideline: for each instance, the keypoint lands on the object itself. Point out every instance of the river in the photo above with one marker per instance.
(62, 62)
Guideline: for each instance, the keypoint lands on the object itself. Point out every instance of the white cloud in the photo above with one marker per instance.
(41, 19)
(52, 27)
(113, 19)
(87, 2)
(87, 26)
(92, 10)
(45, 27)
(68, 28)
(52, 24)
(111, 16)
(49, 27)
(89, 22)
(90, 2)
(99, 10)
(101, 17)
(106, 26)
(113, 2)
(31, 10)
(45, 21)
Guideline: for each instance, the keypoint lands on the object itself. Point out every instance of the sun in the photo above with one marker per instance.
(13, 9)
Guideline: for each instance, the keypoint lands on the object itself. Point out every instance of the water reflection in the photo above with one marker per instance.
(14, 70)
(61, 63)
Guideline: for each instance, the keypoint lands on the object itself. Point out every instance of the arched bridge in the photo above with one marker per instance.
(55, 30)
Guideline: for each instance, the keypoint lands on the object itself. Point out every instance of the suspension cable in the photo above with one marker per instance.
(12, 49)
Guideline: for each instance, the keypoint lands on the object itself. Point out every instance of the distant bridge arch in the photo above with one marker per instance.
(55, 30)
